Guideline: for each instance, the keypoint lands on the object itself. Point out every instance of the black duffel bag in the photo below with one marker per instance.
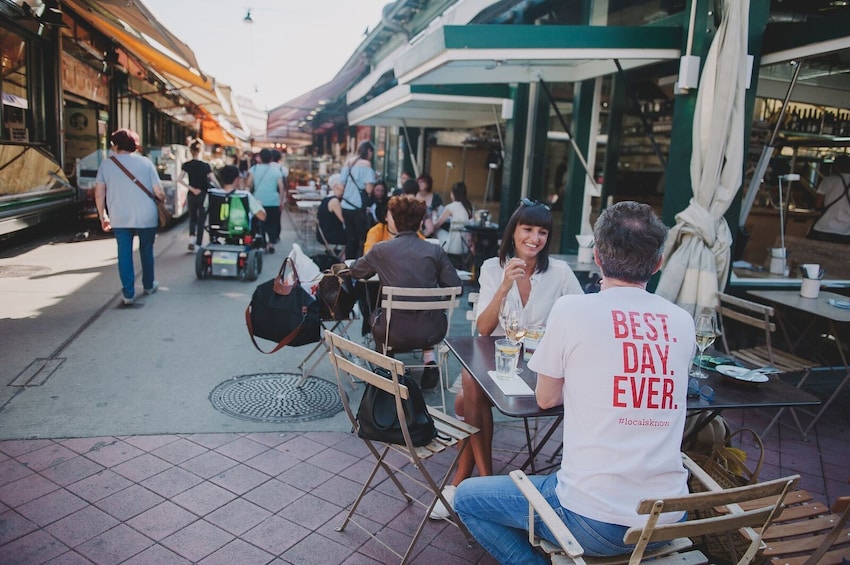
(283, 312)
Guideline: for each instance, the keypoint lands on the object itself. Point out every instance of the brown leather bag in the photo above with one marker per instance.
(335, 293)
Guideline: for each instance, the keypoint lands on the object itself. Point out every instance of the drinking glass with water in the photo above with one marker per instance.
(507, 357)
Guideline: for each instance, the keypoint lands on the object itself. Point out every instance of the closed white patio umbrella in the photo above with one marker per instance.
(697, 253)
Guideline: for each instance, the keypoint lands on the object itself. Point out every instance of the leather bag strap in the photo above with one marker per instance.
(134, 179)
(282, 343)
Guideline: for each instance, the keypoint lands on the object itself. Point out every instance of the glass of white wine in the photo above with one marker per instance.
(512, 319)
(706, 332)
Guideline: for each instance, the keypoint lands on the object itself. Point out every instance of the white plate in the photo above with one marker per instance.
(735, 372)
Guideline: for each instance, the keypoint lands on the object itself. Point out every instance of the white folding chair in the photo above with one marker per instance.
(395, 299)
(678, 549)
(354, 359)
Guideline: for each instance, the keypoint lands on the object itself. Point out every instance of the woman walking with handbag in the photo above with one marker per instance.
(125, 209)
(359, 178)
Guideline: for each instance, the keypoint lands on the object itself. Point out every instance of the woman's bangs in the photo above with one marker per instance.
(535, 216)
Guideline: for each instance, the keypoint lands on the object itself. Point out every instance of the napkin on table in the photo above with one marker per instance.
(513, 386)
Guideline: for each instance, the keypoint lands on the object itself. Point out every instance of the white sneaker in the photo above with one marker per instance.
(128, 301)
(440, 512)
(152, 289)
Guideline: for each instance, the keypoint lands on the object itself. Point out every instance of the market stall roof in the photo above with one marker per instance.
(430, 106)
(475, 54)
(291, 117)
(132, 26)
(213, 132)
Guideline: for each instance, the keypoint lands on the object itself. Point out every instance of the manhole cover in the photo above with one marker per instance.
(273, 397)
(9, 271)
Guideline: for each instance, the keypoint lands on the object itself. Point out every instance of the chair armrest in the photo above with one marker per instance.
(538, 504)
(700, 474)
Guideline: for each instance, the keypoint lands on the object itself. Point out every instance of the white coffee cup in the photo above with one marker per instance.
(777, 266)
(810, 288)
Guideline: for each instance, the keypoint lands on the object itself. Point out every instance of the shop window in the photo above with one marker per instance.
(13, 87)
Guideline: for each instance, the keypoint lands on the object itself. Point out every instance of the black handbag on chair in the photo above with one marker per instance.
(283, 312)
(378, 419)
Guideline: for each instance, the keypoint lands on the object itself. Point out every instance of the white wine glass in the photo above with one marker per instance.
(516, 329)
(706, 331)
(504, 310)
(512, 319)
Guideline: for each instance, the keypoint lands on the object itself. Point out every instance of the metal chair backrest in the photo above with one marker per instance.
(396, 298)
(747, 312)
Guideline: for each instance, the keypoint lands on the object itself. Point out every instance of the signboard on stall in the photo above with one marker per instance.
(82, 80)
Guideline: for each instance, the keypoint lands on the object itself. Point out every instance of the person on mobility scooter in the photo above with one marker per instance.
(234, 248)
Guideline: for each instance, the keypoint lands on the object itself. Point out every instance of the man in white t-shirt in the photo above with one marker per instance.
(618, 362)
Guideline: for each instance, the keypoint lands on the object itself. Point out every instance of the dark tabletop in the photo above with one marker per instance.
(477, 355)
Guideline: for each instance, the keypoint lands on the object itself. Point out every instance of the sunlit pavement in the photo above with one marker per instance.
(111, 451)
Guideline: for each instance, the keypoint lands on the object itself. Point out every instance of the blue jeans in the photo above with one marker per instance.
(496, 513)
(124, 238)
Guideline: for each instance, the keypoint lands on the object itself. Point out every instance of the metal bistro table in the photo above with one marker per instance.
(477, 355)
(820, 310)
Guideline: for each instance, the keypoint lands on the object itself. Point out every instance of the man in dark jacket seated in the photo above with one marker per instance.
(410, 262)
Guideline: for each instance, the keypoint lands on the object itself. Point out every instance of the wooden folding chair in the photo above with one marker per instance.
(760, 317)
(806, 532)
(396, 299)
(344, 354)
(679, 549)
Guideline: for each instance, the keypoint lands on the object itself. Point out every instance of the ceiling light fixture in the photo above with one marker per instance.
(248, 19)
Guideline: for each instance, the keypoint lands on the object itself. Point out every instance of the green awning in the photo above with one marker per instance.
(427, 106)
(474, 54)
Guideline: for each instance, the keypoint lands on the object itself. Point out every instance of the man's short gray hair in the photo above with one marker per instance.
(629, 240)
(334, 180)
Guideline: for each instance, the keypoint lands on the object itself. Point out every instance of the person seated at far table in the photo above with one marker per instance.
(833, 200)
(329, 215)
(411, 187)
(522, 272)
(408, 261)
(599, 351)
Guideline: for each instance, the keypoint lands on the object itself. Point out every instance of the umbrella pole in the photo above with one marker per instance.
(767, 152)
(781, 217)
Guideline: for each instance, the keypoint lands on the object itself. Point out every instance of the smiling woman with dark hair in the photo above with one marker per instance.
(408, 261)
(523, 272)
